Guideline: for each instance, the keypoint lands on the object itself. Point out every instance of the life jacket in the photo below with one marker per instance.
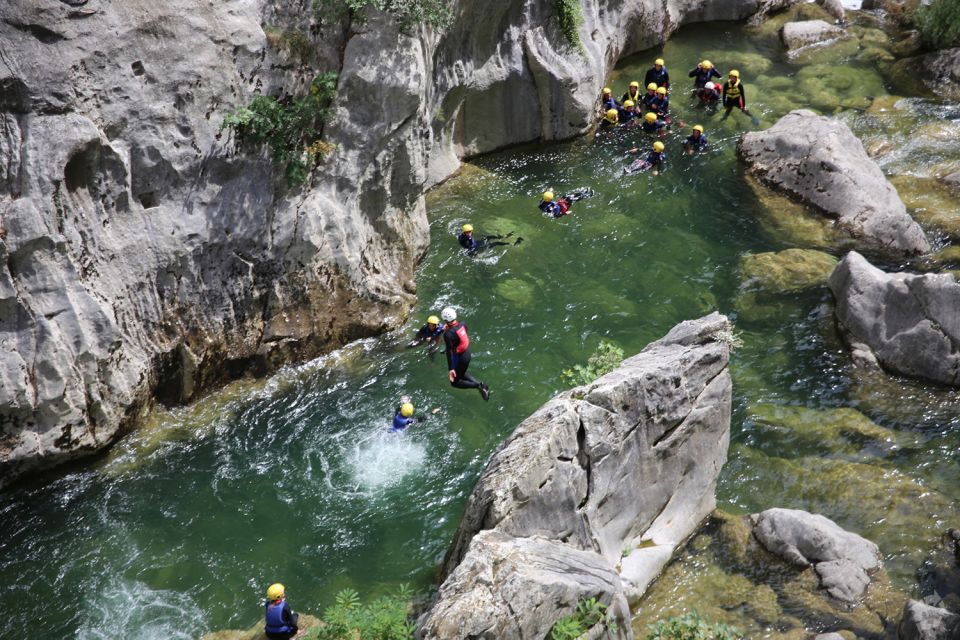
(464, 339)
(733, 90)
(275, 623)
(611, 120)
(631, 96)
(656, 157)
(609, 103)
(657, 76)
(652, 127)
(626, 115)
(660, 104)
(400, 422)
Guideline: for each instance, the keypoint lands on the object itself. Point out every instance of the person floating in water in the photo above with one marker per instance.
(703, 73)
(656, 159)
(627, 113)
(475, 246)
(696, 141)
(607, 101)
(403, 417)
(650, 96)
(657, 74)
(633, 93)
(654, 125)
(430, 333)
(661, 106)
(559, 208)
(734, 95)
(710, 95)
(457, 341)
(281, 620)
(609, 121)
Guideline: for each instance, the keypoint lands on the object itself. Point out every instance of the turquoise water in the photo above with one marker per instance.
(181, 529)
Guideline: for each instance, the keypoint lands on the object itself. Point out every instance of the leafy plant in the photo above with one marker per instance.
(290, 128)
(691, 626)
(939, 24)
(570, 16)
(434, 13)
(588, 614)
(605, 359)
(296, 42)
(385, 618)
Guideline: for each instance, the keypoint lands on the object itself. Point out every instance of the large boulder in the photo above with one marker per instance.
(801, 34)
(938, 71)
(905, 322)
(923, 622)
(604, 481)
(819, 161)
(842, 560)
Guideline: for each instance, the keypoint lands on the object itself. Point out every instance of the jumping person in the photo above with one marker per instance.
(703, 73)
(281, 620)
(655, 159)
(457, 341)
(431, 333)
(696, 141)
(658, 75)
(734, 95)
(559, 208)
(475, 246)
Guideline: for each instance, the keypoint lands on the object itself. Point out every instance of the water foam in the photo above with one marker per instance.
(133, 610)
(383, 459)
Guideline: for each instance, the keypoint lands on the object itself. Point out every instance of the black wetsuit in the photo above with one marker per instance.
(425, 334)
(660, 78)
(627, 96)
(474, 246)
(702, 76)
(458, 355)
(734, 95)
(697, 144)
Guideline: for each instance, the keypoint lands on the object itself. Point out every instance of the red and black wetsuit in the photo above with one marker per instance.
(458, 355)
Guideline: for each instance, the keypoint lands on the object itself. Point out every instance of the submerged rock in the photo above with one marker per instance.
(604, 482)
(908, 323)
(931, 203)
(766, 277)
(821, 162)
(801, 34)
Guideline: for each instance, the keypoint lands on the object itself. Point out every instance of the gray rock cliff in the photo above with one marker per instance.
(147, 257)
(908, 323)
(819, 161)
(592, 494)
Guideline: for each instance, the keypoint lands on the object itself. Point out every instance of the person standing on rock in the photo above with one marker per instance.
(457, 341)
(281, 620)
(703, 73)
(657, 74)
(734, 95)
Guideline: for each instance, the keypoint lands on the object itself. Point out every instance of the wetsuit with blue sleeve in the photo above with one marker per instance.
(468, 242)
(697, 144)
(660, 78)
(702, 76)
(281, 622)
(457, 341)
(401, 422)
(656, 159)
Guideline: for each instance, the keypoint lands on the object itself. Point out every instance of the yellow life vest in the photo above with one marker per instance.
(613, 120)
(733, 90)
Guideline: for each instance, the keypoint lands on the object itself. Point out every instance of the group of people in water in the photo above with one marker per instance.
(650, 112)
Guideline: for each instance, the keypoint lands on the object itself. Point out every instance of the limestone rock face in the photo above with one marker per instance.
(145, 256)
(939, 71)
(842, 560)
(620, 471)
(819, 161)
(801, 34)
(908, 323)
(923, 622)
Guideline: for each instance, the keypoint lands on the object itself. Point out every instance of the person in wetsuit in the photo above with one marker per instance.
(657, 74)
(475, 246)
(281, 620)
(633, 93)
(656, 159)
(710, 95)
(457, 341)
(661, 105)
(650, 96)
(696, 141)
(559, 208)
(431, 333)
(403, 417)
(734, 95)
(653, 125)
(627, 113)
(607, 101)
(703, 73)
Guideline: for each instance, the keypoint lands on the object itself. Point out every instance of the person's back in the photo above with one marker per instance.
(281, 621)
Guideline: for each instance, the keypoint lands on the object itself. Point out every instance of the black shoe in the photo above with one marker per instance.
(485, 391)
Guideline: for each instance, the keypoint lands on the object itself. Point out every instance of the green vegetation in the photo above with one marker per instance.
(939, 24)
(570, 16)
(588, 614)
(386, 618)
(605, 359)
(296, 42)
(691, 626)
(433, 13)
(291, 127)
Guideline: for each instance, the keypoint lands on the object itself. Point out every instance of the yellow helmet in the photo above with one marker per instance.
(735, 73)
(275, 591)
(628, 104)
(634, 85)
(698, 127)
(467, 228)
(607, 90)
(662, 91)
(652, 86)
(650, 117)
(658, 146)
(612, 115)
(548, 195)
(433, 320)
(706, 64)
(406, 409)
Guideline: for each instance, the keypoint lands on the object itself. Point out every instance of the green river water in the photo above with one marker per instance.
(179, 530)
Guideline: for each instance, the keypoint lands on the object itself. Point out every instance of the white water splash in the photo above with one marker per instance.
(133, 610)
(384, 459)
